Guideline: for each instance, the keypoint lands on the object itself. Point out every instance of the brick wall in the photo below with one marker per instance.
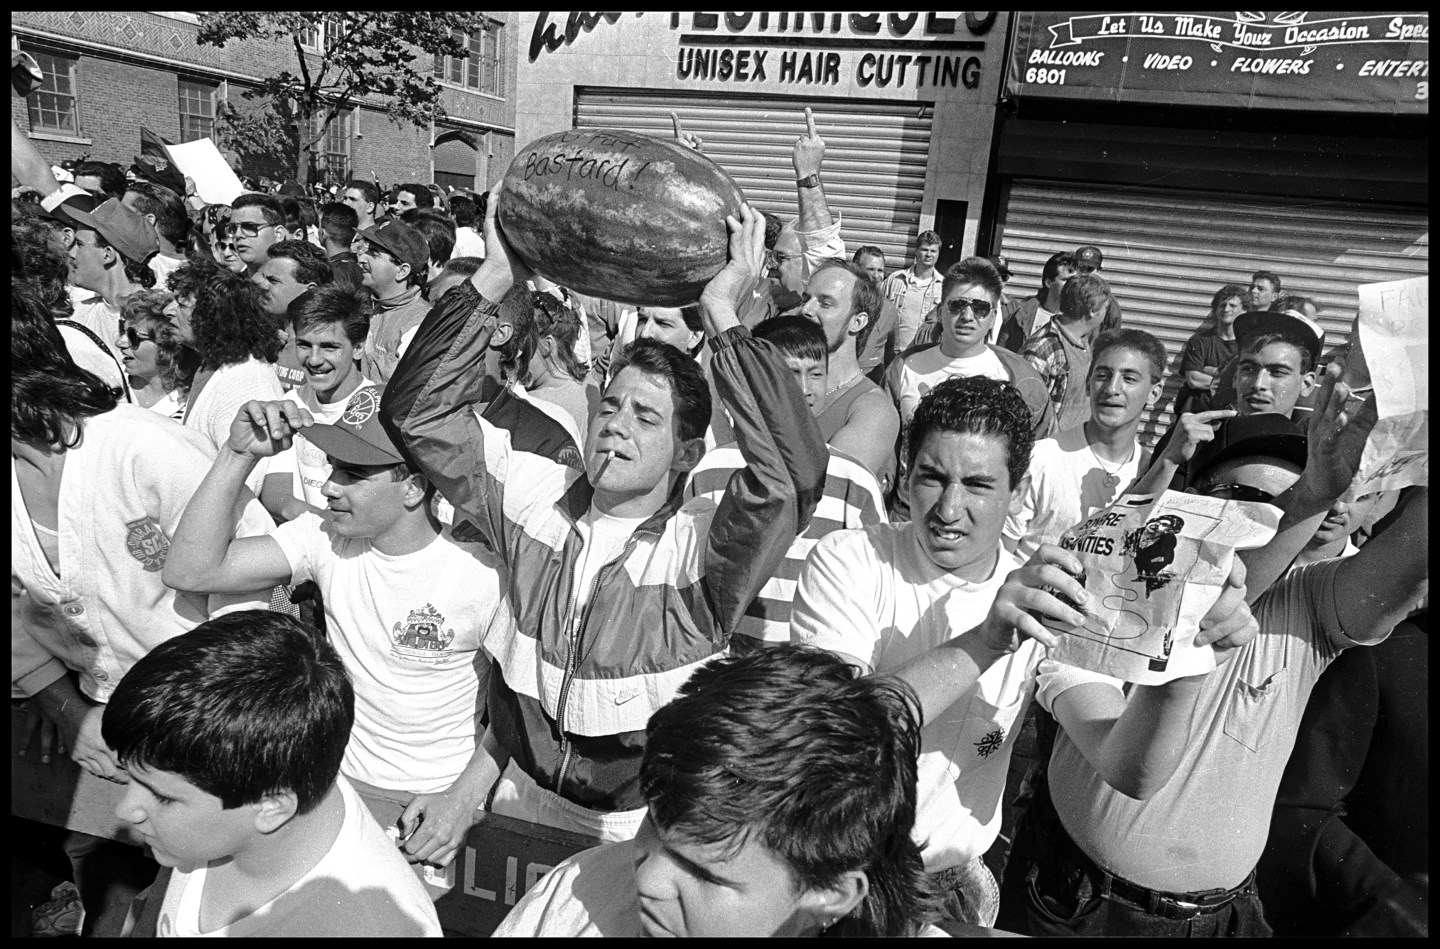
(119, 93)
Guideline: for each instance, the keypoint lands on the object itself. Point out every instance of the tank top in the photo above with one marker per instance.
(833, 418)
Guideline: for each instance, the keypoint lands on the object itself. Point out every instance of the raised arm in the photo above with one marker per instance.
(807, 156)
(1191, 431)
(769, 502)
(1379, 586)
(1136, 742)
(428, 405)
(28, 166)
(1339, 427)
(205, 556)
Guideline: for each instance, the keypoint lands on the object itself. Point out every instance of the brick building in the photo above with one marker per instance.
(108, 73)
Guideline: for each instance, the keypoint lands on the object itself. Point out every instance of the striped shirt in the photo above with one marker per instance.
(851, 499)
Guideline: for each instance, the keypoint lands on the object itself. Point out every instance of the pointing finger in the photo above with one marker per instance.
(810, 123)
(675, 123)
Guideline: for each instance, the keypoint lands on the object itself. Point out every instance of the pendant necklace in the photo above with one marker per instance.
(1111, 478)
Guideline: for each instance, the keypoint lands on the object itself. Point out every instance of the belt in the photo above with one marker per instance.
(1170, 905)
(1112, 887)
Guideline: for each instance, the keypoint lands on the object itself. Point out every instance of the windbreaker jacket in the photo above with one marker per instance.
(570, 695)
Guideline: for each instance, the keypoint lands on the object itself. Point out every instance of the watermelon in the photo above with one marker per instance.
(619, 215)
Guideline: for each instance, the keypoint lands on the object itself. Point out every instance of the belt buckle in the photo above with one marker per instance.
(1191, 909)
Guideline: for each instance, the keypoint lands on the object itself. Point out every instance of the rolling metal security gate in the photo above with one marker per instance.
(1167, 252)
(875, 152)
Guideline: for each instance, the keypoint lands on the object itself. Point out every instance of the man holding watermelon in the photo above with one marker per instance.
(620, 589)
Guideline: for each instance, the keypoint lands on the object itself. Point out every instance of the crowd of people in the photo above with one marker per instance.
(334, 525)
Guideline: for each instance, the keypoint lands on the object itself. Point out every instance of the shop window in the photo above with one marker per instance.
(55, 106)
(197, 110)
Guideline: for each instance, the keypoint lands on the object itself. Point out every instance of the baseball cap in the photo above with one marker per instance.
(1001, 264)
(25, 74)
(67, 198)
(402, 241)
(357, 438)
(1089, 254)
(122, 228)
(1301, 328)
(1273, 436)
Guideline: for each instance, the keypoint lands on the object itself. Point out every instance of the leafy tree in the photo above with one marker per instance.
(366, 53)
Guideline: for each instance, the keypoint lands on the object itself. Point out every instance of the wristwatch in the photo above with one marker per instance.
(809, 181)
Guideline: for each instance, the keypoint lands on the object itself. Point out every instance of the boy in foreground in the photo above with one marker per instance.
(232, 737)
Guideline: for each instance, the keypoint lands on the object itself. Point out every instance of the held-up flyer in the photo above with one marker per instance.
(1154, 565)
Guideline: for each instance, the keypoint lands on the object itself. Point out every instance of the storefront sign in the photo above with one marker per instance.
(911, 50)
(1342, 62)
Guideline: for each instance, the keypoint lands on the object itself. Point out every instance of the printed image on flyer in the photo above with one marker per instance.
(1153, 566)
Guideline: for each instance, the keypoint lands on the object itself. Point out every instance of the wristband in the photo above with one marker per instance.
(809, 181)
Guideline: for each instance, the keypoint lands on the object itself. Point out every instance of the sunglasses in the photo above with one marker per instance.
(247, 229)
(134, 338)
(981, 308)
(1238, 492)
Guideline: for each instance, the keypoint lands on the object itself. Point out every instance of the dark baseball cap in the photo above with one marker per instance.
(123, 229)
(1089, 254)
(1304, 331)
(402, 242)
(71, 199)
(1270, 435)
(357, 438)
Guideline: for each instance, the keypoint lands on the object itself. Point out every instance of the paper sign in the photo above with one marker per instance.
(201, 161)
(1393, 339)
(1153, 567)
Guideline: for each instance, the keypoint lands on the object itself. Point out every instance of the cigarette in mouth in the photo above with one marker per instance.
(609, 457)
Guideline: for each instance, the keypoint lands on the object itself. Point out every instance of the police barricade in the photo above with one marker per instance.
(501, 860)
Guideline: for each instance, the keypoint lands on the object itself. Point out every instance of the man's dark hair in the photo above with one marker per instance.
(1269, 278)
(50, 396)
(327, 305)
(244, 705)
(171, 221)
(1082, 295)
(437, 228)
(977, 405)
(973, 271)
(462, 209)
(293, 210)
(1135, 340)
(1253, 344)
(773, 227)
(367, 188)
(270, 207)
(794, 749)
(424, 197)
(864, 295)
(1294, 301)
(111, 175)
(1052, 266)
(795, 337)
(229, 323)
(689, 390)
(311, 264)
(461, 266)
(869, 250)
(338, 222)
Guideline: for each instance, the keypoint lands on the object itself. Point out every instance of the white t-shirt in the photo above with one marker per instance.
(468, 243)
(408, 629)
(1067, 484)
(163, 266)
(876, 596)
(361, 887)
(305, 463)
(604, 538)
(926, 369)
